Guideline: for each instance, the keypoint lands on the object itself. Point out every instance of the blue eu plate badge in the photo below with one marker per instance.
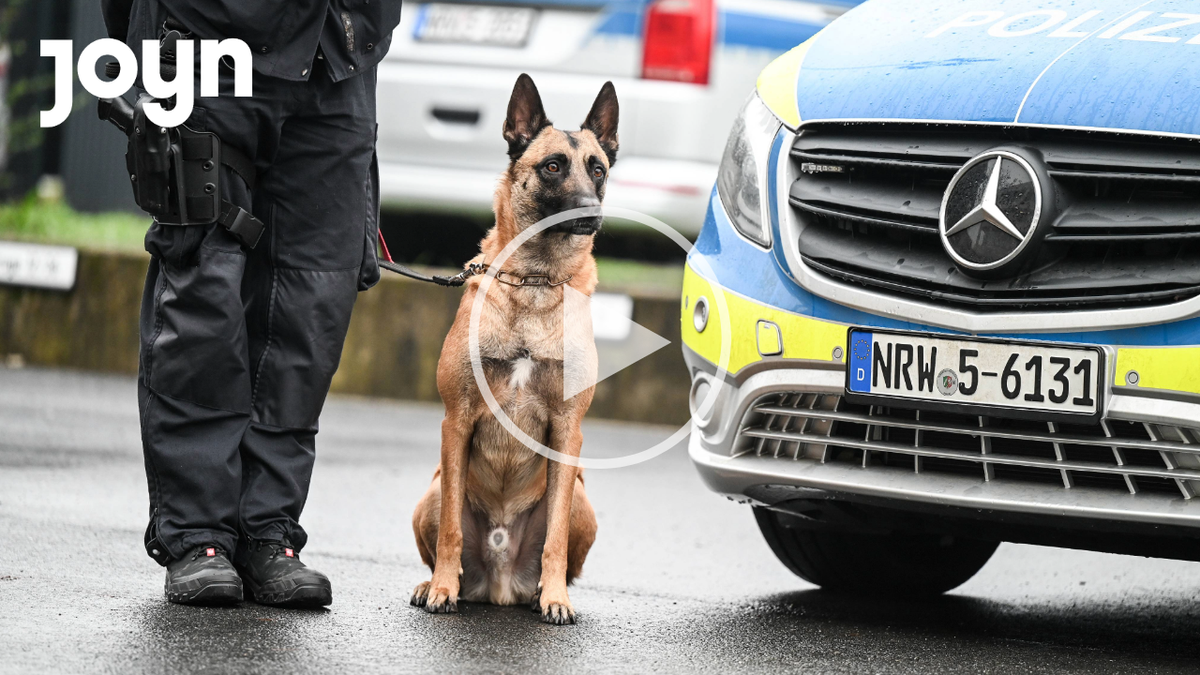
(860, 362)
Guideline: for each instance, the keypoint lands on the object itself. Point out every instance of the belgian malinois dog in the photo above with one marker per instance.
(501, 523)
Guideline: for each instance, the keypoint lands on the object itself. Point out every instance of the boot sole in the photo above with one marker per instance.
(210, 595)
(308, 596)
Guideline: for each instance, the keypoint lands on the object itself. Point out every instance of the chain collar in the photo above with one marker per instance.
(510, 279)
(530, 280)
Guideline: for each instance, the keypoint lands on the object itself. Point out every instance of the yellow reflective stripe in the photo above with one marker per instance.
(1168, 368)
(1172, 368)
(777, 84)
(803, 337)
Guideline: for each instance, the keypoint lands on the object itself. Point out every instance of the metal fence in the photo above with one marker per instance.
(5, 56)
(93, 152)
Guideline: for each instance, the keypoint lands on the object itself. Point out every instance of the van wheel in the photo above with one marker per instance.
(897, 565)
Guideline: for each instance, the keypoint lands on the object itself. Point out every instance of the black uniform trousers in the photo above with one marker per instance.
(238, 346)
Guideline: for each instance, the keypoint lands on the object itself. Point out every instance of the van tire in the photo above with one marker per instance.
(893, 564)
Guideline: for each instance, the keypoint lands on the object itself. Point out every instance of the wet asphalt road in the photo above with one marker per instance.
(678, 581)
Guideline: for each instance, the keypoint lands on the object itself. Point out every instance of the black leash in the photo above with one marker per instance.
(454, 281)
(472, 269)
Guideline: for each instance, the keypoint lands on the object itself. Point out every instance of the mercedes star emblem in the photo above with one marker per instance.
(991, 210)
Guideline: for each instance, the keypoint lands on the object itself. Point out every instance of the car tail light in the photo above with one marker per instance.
(678, 40)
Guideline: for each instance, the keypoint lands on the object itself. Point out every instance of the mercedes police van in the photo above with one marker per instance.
(948, 291)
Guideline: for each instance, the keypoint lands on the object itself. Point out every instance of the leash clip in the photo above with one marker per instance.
(473, 269)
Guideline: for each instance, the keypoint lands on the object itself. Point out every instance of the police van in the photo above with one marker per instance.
(681, 69)
(947, 293)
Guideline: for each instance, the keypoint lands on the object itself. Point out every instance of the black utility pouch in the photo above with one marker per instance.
(176, 173)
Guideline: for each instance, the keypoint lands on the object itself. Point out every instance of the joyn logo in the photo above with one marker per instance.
(182, 87)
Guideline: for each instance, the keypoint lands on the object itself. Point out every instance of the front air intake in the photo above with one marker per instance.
(1127, 230)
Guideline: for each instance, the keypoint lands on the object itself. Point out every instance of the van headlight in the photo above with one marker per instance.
(743, 171)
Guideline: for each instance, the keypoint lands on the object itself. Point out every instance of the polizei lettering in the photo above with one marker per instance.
(1143, 26)
(181, 87)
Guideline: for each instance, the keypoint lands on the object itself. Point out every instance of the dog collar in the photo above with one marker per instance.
(510, 279)
(472, 270)
(528, 280)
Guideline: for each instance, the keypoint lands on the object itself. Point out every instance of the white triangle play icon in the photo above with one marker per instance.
(604, 320)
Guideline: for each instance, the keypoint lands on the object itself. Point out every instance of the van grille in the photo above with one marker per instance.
(1112, 455)
(1128, 229)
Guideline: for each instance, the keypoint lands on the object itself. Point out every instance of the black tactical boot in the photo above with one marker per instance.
(275, 576)
(203, 577)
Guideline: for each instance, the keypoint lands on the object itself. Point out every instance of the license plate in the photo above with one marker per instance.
(975, 373)
(474, 24)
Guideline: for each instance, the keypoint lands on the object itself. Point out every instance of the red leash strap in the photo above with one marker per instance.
(386, 254)
(457, 280)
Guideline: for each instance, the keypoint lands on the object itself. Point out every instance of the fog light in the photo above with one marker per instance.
(699, 394)
(700, 314)
(706, 399)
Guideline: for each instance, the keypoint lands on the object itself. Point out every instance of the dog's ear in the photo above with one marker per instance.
(526, 117)
(602, 121)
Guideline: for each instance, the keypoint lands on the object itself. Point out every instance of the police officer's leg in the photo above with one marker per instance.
(319, 199)
(194, 386)
(194, 375)
(192, 343)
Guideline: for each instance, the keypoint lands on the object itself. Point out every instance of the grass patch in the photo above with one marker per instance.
(53, 222)
(642, 278)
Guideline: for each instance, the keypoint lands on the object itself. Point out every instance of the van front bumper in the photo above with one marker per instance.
(1139, 468)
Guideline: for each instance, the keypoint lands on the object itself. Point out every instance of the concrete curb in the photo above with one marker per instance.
(392, 349)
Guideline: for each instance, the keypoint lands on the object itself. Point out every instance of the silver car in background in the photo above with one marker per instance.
(681, 69)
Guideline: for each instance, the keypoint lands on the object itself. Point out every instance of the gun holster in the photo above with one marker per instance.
(176, 174)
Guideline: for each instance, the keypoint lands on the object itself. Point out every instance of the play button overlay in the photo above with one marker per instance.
(599, 339)
(606, 319)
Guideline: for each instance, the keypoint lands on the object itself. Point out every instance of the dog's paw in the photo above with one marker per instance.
(558, 613)
(440, 600)
(554, 604)
(420, 594)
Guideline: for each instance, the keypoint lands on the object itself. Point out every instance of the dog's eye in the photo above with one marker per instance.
(598, 172)
(552, 167)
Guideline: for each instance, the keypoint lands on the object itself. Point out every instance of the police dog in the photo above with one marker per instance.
(500, 523)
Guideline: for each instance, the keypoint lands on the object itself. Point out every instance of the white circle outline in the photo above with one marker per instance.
(477, 361)
(1033, 225)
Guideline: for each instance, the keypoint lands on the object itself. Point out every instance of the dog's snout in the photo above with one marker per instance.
(588, 216)
(586, 202)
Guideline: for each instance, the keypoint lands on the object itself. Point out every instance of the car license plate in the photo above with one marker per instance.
(474, 24)
(972, 372)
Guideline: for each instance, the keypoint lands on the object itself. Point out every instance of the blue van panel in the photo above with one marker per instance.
(897, 59)
(1126, 84)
